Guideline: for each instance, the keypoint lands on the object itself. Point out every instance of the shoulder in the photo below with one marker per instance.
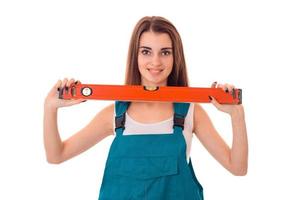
(107, 110)
(104, 116)
(198, 110)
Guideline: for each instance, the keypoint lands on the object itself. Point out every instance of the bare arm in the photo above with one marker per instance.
(58, 151)
(239, 149)
(234, 159)
(52, 141)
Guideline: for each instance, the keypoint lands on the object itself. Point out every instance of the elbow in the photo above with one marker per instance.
(52, 160)
(241, 171)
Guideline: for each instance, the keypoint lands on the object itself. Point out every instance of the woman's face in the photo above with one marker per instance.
(155, 58)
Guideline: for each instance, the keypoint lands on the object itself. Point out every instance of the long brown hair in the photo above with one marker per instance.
(178, 76)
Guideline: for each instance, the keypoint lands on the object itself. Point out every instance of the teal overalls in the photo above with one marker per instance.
(149, 166)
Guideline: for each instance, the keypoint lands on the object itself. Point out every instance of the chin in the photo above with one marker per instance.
(155, 83)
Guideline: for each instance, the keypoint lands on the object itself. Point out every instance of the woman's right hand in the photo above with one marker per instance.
(53, 102)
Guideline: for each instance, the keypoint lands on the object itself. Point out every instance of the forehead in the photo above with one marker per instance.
(152, 39)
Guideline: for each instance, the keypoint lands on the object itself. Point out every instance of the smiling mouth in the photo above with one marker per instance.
(155, 71)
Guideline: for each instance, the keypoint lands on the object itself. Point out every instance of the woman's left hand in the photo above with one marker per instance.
(230, 109)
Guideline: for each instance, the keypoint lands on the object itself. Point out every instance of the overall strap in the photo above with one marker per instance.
(181, 110)
(120, 110)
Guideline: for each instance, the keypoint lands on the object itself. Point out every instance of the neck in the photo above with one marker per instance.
(151, 84)
(152, 104)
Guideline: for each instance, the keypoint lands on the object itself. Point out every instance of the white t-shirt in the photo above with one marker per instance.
(133, 127)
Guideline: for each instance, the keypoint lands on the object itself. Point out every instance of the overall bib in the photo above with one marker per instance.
(149, 166)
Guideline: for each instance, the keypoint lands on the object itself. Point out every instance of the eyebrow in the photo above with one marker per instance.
(165, 48)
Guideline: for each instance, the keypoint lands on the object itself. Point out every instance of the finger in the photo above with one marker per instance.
(74, 102)
(215, 103)
(69, 83)
(57, 85)
(214, 84)
(228, 88)
(77, 82)
(232, 87)
(221, 86)
(64, 82)
(55, 88)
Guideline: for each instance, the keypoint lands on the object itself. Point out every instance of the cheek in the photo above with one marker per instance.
(171, 66)
(169, 63)
(141, 62)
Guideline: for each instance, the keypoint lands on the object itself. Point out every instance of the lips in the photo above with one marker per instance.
(154, 71)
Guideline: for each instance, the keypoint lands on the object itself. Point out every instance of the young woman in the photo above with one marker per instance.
(149, 157)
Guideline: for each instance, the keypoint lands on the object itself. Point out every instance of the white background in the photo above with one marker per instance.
(254, 45)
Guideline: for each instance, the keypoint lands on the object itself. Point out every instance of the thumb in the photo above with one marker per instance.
(56, 86)
(214, 84)
(74, 102)
(77, 82)
(215, 103)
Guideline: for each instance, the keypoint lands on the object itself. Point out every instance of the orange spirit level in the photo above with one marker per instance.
(144, 93)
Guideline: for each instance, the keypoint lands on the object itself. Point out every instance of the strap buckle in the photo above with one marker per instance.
(178, 121)
(120, 121)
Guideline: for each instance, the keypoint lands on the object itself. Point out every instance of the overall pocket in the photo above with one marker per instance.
(145, 167)
(138, 178)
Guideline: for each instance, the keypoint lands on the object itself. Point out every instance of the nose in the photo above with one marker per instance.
(156, 61)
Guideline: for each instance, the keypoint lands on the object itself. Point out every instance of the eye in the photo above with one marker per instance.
(145, 52)
(166, 53)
